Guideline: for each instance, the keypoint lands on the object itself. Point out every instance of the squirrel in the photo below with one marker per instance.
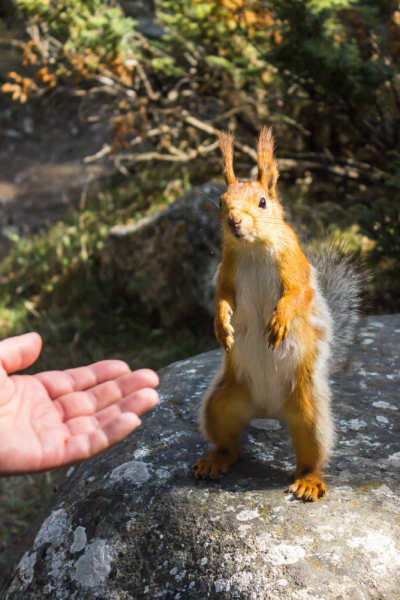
(284, 320)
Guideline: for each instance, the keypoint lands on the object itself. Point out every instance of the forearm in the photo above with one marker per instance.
(225, 292)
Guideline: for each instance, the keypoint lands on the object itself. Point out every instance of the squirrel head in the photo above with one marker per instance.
(250, 210)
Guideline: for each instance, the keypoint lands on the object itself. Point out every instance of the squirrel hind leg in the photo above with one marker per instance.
(226, 409)
(217, 461)
(310, 423)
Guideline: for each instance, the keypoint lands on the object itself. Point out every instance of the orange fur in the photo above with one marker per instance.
(226, 147)
(247, 223)
(225, 300)
(296, 290)
(268, 172)
(231, 406)
(301, 418)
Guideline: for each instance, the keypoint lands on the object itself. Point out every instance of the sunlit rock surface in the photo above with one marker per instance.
(133, 523)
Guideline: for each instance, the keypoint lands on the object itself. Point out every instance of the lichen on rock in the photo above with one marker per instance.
(134, 524)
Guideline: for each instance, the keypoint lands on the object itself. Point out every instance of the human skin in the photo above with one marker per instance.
(58, 418)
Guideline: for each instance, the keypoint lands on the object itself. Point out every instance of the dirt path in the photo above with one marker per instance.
(42, 171)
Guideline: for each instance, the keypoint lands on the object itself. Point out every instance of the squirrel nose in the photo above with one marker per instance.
(234, 222)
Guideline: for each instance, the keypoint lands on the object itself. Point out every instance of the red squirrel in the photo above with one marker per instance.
(275, 317)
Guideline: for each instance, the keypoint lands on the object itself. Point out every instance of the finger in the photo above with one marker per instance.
(137, 403)
(20, 352)
(87, 403)
(106, 394)
(83, 446)
(59, 383)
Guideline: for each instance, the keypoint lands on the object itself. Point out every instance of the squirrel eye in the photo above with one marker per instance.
(262, 203)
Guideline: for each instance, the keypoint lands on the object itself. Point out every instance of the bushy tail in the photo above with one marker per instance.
(344, 282)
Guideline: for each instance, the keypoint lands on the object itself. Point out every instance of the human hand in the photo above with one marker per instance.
(57, 418)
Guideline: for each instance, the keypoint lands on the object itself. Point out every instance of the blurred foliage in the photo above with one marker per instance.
(97, 26)
(329, 67)
(72, 41)
(379, 219)
(54, 283)
(347, 59)
(59, 271)
(325, 73)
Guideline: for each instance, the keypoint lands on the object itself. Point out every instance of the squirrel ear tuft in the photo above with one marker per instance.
(226, 146)
(268, 172)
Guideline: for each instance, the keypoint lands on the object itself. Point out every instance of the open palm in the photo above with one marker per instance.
(61, 417)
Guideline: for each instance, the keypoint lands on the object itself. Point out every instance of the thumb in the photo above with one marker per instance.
(20, 352)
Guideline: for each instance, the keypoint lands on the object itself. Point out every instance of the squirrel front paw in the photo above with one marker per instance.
(223, 328)
(278, 327)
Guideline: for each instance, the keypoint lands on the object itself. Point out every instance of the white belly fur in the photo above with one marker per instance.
(269, 375)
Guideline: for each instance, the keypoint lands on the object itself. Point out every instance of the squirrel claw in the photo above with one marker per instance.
(216, 462)
(224, 333)
(308, 489)
(279, 330)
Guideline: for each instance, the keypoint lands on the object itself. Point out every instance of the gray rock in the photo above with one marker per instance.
(152, 531)
(144, 12)
(150, 28)
(167, 262)
(138, 8)
(93, 567)
(80, 540)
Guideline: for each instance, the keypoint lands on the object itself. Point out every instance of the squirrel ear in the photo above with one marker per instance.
(226, 146)
(268, 172)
